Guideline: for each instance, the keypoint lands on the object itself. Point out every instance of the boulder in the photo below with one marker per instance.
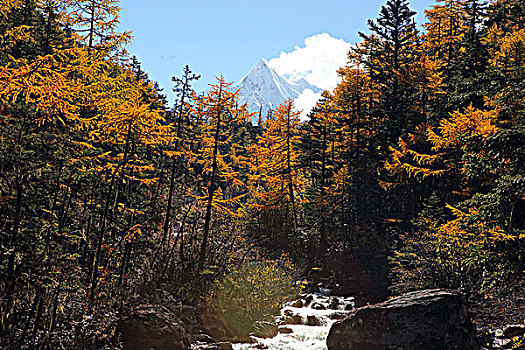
(153, 327)
(312, 320)
(291, 317)
(224, 328)
(427, 319)
(296, 319)
(298, 303)
(285, 330)
(308, 299)
(288, 312)
(265, 330)
(334, 304)
(337, 315)
(318, 306)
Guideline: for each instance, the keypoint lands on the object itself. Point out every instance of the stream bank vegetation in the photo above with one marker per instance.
(409, 174)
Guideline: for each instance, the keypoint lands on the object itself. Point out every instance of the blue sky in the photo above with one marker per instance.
(229, 37)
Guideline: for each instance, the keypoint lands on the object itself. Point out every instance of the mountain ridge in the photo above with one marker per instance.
(264, 89)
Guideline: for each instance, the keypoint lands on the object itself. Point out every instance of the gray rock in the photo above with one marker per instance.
(288, 312)
(265, 330)
(337, 315)
(311, 320)
(290, 317)
(334, 304)
(317, 306)
(296, 319)
(298, 303)
(427, 319)
(153, 327)
(285, 330)
(308, 300)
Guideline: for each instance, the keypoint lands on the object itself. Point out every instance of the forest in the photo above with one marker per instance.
(410, 174)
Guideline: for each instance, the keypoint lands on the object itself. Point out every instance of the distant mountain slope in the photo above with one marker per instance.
(264, 89)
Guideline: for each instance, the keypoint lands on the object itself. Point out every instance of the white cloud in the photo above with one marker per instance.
(306, 101)
(317, 61)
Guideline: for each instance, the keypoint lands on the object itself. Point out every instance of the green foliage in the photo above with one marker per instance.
(252, 291)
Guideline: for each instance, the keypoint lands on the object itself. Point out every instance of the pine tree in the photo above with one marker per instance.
(318, 137)
(216, 159)
(446, 29)
(95, 21)
(467, 83)
(275, 178)
(387, 53)
(184, 92)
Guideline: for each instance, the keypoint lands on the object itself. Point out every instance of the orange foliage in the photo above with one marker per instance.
(217, 154)
(454, 131)
(276, 179)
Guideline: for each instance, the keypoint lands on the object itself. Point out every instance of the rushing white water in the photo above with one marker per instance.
(303, 336)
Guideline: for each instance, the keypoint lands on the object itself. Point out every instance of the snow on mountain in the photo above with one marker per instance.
(264, 89)
(302, 84)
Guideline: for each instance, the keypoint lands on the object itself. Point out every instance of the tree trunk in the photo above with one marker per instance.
(322, 228)
(102, 232)
(289, 168)
(91, 27)
(211, 187)
(167, 217)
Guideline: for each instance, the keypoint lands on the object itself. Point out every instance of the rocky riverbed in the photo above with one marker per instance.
(319, 321)
(304, 324)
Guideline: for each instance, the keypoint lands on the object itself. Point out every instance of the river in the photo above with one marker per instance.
(319, 309)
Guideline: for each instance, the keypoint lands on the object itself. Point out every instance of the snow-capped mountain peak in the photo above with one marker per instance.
(264, 89)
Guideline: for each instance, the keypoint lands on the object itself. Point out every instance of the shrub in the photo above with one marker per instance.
(250, 292)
